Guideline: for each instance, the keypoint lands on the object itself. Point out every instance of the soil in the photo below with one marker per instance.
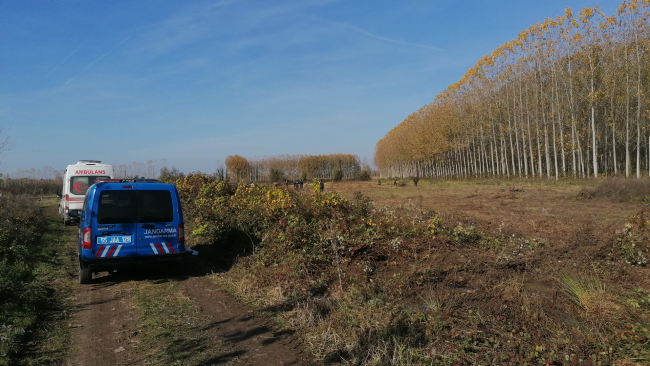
(104, 324)
(545, 211)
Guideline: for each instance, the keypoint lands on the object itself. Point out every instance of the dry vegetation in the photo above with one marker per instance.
(545, 209)
(446, 273)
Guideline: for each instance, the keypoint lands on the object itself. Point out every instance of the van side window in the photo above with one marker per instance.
(155, 206)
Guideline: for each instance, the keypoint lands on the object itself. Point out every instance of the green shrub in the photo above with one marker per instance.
(364, 175)
(465, 234)
(170, 175)
(22, 227)
(276, 175)
(337, 174)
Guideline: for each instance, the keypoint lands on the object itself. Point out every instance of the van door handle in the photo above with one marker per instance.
(147, 226)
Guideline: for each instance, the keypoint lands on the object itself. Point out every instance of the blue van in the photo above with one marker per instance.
(126, 221)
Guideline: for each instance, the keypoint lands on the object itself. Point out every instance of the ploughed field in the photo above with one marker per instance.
(542, 209)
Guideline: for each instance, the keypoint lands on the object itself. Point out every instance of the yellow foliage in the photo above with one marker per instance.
(568, 13)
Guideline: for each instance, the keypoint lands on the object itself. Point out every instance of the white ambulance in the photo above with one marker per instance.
(77, 178)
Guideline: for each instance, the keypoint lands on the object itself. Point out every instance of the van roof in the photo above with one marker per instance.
(89, 161)
(141, 180)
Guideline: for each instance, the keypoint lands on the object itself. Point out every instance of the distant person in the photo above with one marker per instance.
(322, 186)
(395, 182)
(379, 183)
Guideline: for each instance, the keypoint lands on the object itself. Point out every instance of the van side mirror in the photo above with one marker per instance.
(59, 194)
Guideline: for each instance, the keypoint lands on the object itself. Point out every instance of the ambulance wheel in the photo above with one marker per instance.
(85, 275)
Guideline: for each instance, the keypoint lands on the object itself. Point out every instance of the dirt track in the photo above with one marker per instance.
(105, 327)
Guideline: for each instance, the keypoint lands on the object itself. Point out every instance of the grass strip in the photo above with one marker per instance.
(35, 315)
(170, 330)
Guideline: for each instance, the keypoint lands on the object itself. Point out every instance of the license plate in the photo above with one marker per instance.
(114, 239)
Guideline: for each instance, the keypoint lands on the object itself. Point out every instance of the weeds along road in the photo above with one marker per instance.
(149, 316)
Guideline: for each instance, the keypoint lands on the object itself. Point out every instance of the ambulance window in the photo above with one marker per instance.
(117, 207)
(79, 184)
(155, 206)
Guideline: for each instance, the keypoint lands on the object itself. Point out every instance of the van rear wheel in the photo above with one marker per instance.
(85, 275)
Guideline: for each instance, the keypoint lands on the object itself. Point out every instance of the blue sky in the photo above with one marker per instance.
(195, 81)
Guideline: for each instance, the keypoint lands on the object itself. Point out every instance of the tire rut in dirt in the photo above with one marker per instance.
(107, 328)
(102, 327)
(252, 338)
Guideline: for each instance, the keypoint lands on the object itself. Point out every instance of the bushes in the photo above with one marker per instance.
(364, 176)
(287, 219)
(30, 186)
(633, 240)
(22, 226)
(170, 175)
(621, 189)
(338, 174)
(276, 175)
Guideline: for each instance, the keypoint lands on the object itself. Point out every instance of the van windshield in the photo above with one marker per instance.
(127, 207)
(79, 184)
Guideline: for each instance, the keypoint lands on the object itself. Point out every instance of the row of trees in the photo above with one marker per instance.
(335, 166)
(150, 169)
(46, 172)
(569, 97)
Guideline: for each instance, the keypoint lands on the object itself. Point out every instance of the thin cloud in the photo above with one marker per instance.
(107, 53)
(220, 4)
(77, 49)
(92, 63)
(386, 39)
(65, 59)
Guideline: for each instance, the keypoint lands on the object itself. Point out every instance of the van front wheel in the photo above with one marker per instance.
(85, 275)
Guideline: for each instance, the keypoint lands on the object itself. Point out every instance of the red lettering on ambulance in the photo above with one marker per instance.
(90, 172)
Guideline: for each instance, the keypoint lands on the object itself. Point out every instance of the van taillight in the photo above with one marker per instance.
(67, 199)
(181, 234)
(88, 236)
